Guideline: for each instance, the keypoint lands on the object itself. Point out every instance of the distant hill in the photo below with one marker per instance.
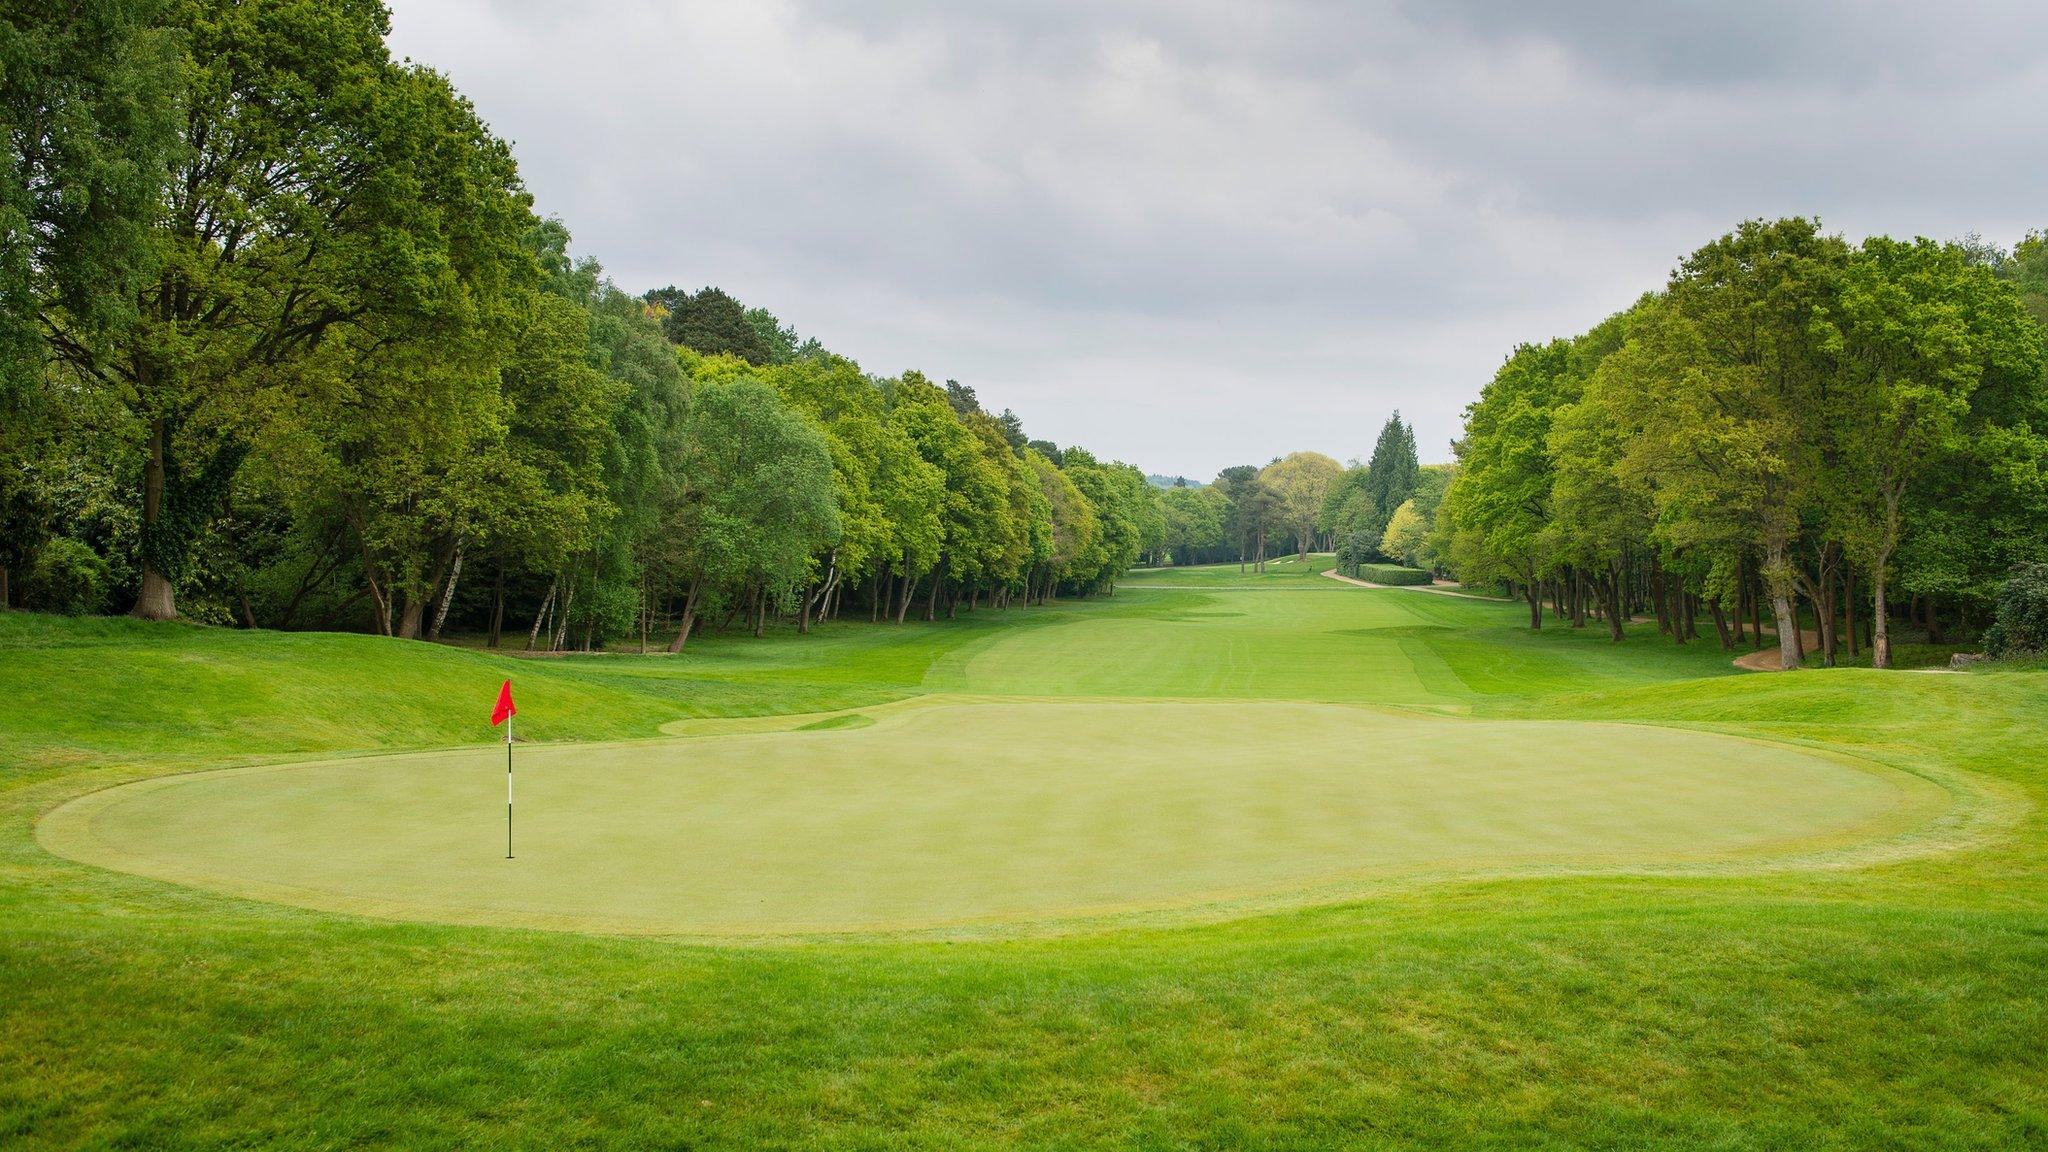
(1158, 481)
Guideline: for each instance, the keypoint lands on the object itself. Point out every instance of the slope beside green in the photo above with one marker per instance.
(1880, 1002)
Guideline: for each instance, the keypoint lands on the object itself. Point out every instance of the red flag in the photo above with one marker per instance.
(504, 708)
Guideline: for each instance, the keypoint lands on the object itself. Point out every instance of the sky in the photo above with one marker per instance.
(1189, 234)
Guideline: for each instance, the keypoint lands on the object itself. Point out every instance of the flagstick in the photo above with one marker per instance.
(508, 787)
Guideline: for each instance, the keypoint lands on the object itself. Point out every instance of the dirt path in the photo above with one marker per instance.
(1766, 659)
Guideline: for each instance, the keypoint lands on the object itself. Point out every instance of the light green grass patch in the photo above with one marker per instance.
(992, 815)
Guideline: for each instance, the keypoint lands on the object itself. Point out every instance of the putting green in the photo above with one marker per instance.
(993, 814)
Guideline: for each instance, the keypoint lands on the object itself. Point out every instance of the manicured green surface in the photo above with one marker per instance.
(1880, 993)
(991, 815)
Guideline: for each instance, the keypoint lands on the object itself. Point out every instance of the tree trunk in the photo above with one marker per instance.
(931, 604)
(1756, 617)
(248, 614)
(498, 604)
(3, 588)
(155, 600)
(1534, 595)
(1849, 603)
(1880, 618)
(1933, 621)
(1777, 578)
(909, 590)
(409, 622)
(540, 617)
(379, 603)
(1612, 589)
(1657, 598)
(1721, 626)
(562, 620)
(689, 616)
(447, 596)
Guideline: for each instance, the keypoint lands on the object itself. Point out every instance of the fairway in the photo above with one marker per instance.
(987, 814)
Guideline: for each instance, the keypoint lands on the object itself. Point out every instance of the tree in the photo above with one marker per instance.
(1125, 506)
(756, 502)
(1299, 481)
(1251, 510)
(1195, 522)
(780, 341)
(1406, 535)
(1917, 326)
(1598, 517)
(1390, 475)
(321, 191)
(1498, 504)
(976, 490)
(1729, 399)
(1075, 545)
(712, 323)
(90, 105)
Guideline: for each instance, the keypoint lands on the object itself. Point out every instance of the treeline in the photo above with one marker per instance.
(283, 344)
(1794, 429)
(1379, 511)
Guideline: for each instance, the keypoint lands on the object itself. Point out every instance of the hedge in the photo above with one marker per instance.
(1392, 574)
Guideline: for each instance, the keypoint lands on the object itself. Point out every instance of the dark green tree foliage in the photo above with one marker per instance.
(1012, 426)
(1249, 508)
(780, 340)
(322, 194)
(89, 109)
(1391, 474)
(89, 115)
(2021, 627)
(711, 322)
(1794, 430)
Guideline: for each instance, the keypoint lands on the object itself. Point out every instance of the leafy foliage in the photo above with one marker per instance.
(2022, 624)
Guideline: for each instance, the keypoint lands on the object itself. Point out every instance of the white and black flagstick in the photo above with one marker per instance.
(508, 787)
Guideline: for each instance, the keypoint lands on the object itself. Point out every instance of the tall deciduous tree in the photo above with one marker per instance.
(90, 102)
(1499, 502)
(320, 187)
(756, 502)
(1299, 482)
(1917, 326)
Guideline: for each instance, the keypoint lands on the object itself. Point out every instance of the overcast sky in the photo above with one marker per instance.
(1190, 235)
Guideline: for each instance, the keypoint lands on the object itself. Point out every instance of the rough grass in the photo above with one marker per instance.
(1889, 1004)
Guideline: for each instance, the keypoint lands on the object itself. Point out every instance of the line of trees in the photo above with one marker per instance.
(1794, 429)
(1382, 510)
(282, 343)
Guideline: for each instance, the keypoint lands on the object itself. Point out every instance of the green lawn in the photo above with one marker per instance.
(1222, 868)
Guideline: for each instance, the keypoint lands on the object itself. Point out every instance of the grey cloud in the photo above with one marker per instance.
(1195, 234)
